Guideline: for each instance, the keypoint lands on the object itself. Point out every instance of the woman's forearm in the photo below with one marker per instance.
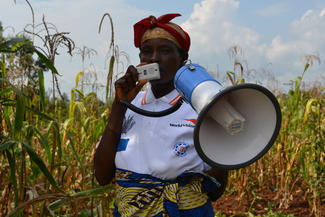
(105, 153)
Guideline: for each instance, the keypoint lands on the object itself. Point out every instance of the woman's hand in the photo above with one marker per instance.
(128, 86)
(222, 177)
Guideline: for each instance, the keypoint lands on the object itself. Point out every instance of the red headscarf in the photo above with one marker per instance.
(163, 22)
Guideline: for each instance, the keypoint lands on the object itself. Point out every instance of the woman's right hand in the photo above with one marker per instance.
(128, 86)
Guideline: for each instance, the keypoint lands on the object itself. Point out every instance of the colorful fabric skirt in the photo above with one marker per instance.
(145, 195)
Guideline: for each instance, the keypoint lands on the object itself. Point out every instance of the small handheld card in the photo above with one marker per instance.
(148, 72)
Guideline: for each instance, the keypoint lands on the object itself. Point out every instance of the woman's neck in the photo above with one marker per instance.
(160, 90)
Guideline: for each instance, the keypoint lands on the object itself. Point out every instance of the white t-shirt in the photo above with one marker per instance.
(162, 147)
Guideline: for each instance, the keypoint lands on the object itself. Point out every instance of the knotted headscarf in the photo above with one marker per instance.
(161, 27)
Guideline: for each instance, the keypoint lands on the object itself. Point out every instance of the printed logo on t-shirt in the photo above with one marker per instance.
(122, 145)
(180, 149)
(191, 120)
(188, 123)
(128, 123)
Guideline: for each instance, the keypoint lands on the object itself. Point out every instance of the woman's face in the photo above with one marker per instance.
(166, 54)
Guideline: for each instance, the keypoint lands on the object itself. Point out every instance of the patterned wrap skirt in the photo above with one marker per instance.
(145, 195)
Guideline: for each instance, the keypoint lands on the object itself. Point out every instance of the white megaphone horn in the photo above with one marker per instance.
(236, 125)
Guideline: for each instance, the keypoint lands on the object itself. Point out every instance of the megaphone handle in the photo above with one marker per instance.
(150, 113)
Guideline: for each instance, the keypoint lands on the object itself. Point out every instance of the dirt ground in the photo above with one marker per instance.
(265, 200)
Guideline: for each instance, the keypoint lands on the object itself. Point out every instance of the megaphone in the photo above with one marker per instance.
(236, 125)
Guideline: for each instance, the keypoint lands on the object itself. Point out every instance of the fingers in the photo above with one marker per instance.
(127, 87)
(141, 84)
(129, 79)
(138, 87)
(131, 76)
(134, 72)
(119, 89)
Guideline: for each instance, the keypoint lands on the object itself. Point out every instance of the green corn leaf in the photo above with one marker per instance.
(110, 74)
(59, 146)
(39, 162)
(81, 107)
(240, 81)
(229, 75)
(3, 71)
(48, 129)
(45, 144)
(81, 94)
(6, 46)
(40, 114)
(78, 77)
(87, 122)
(41, 89)
(111, 67)
(6, 145)
(20, 111)
(67, 123)
(54, 125)
(83, 194)
(297, 84)
(72, 97)
(306, 67)
(308, 108)
(22, 44)
(7, 102)
(72, 107)
(7, 90)
(7, 118)
(58, 140)
(57, 204)
(47, 62)
(89, 96)
(93, 192)
(12, 164)
(75, 153)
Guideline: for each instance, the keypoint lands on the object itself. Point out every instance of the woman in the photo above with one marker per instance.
(157, 169)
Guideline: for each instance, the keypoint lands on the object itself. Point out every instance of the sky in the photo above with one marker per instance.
(273, 37)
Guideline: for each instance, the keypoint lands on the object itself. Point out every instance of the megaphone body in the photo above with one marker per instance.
(236, 125)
